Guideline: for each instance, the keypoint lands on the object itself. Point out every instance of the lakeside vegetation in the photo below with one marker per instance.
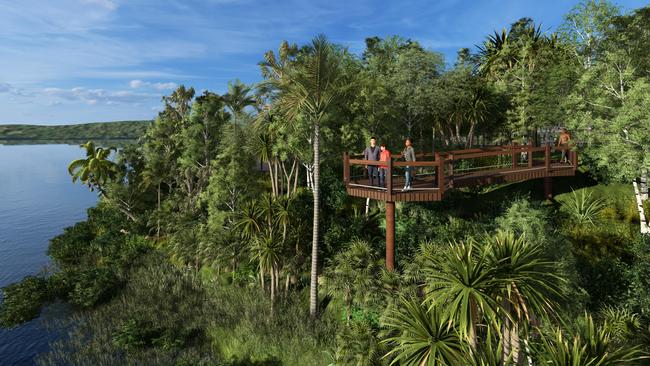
(195, 255)
(98, 131)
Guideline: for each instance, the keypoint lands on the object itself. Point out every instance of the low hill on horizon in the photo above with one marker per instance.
(117, 130)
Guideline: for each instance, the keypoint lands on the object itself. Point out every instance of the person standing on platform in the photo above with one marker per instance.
(384, 156)
(563, 143)
(409, 155)
(372, 153)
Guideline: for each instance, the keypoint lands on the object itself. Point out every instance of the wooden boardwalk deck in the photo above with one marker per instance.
(427, 185)
(437, 173)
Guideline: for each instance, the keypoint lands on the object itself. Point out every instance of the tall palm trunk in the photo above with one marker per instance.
(313, 291)
(473, 308)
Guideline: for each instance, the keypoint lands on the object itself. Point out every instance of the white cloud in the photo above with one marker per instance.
(135, 84)
(107, 4)
(97, 96)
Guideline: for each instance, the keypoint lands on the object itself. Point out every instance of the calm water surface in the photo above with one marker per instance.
(37, 201)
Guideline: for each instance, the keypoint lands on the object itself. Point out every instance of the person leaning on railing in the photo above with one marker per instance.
(409, 155)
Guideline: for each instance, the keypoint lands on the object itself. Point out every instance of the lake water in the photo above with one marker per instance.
(37, 201)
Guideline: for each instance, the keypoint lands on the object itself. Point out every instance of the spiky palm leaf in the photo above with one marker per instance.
(582, 208)
(422, 336)
(590, 346)
(461, 281)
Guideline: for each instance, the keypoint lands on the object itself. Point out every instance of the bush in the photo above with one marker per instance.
(23, 301)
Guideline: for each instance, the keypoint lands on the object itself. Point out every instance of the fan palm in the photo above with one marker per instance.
(526, 284)
(309, 90)
(266, 250)
(96, 170)
(422, 336)
(461, 281)
(354, 275)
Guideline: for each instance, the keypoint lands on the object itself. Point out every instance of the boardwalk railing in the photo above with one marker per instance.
(435, 173)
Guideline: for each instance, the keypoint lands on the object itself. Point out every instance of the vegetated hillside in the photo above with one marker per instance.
(87, 131)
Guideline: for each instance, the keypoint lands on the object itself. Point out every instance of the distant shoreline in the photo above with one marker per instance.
(74, 133)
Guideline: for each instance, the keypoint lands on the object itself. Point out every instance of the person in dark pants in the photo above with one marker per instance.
(372, 153)
(408, 154)
(384, 156)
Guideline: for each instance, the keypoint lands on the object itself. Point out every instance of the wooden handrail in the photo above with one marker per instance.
(444, 161)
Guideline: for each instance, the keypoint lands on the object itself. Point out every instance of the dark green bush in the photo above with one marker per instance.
(22, 301)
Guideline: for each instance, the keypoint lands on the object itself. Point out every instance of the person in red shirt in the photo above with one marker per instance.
(384, 155)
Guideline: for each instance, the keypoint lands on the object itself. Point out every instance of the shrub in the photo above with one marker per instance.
(23, 301)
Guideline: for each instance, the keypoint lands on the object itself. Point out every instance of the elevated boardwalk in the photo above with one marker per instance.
(435, 174)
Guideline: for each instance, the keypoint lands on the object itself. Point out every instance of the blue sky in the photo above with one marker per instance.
(70, 61)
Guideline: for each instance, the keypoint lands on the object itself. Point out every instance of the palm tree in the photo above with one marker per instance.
(238, 98)
(309, 90)
(354, 275)
(461, 281)
(526, 285)
(96, 170)
(422, 336)
(266, 249)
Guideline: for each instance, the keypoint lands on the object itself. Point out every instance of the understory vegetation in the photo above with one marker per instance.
(225, 236)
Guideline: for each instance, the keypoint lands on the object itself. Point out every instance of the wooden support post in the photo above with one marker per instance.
(530, 154)
(514, 150)
(390, 235)
(548, 188)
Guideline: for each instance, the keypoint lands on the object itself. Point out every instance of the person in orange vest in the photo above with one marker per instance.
(384, 155)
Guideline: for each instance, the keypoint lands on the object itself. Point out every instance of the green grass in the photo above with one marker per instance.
(120, 130)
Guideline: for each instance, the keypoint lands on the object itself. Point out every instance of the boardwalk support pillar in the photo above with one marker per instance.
(548, 188)
(390, 235)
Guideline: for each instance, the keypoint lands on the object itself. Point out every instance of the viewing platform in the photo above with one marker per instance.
(436, 174)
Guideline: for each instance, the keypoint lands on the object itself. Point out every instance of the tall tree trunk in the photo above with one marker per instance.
(295, 177)
(272, 273)
(313, 290)
(474, 318)
(262, 279)
(470, 135)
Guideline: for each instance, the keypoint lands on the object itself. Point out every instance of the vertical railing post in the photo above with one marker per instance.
(514, 150)
(346, 169)
(440, 174)
(530, 154)
(389, 180)
(451, 170)
(547, 158)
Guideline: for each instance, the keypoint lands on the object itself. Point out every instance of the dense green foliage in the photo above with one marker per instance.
(225, 236)
(98, 131)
